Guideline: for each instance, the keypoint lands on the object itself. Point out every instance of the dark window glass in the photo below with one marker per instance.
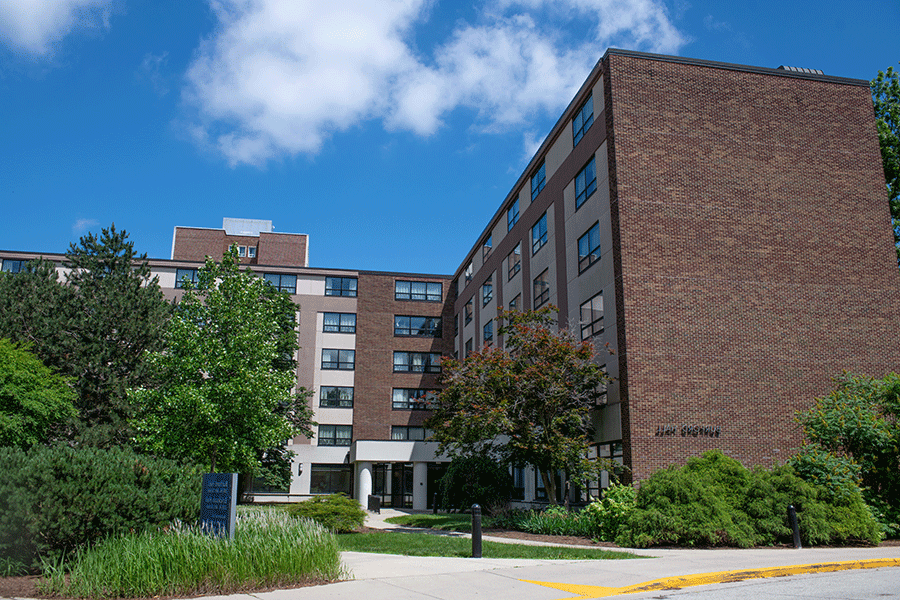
(282, 282)
(582, 120)
(340, 286)
(343, 360)
(468, 273)
(417, 326)
(15, 266)
(539, 234)
(414, 399)
(407, 433)
(487, 291)
(335, 435)
(468, 312)
(592, 317)
(541, 288)
(518, 474)
(428, 291)
(417, 362)
(516, 303)
(486, 249)
(585, 183)
(514, 261)
(589, 248)
(538, 181)
(512, 215)
(331, 479)
(183, 276)
(339, 322)
(468, 347)
(488, 337)
(336, 397)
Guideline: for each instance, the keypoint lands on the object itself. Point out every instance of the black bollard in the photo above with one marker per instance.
(434, 505)
(792, 517)
(476, 531)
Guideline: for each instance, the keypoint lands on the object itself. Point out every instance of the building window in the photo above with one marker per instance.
(589, 247)
(417, 326)
(583, 120)
(516, 303)
(182, 276)
(585, 183)
(340, 286)
(518, 475)
(512, 215)
(542, 288)
(538, 181)
(335, 397)
(341, 360)
(488, 335)
(417, 290)
(339, 322)
(539, 234)
(282, 282)
(242, 251)
(417, 362)
(331, 479)
(468, 348)
(413, 434)
(486, 248)
(16, 266)
(514, 261)
(414, 399)
(335, 435)
(468, 312)
(251, 251)
(468, 273)
(487, 291)
(592, 317)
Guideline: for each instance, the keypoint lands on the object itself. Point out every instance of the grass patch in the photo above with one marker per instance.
(425, 544)
(269, 549)
(455, 522)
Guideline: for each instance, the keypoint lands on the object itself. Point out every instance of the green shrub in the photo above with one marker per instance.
(608, 513)
(714, 501)
(56, 500)
(336, 512)
(475, 480)
(556, 520)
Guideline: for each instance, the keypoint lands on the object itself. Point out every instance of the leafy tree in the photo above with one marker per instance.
(528, 403)
(93, 328)
(859, 420)
(226, 376)
(476, 479)
(886, 97)
(33, 399)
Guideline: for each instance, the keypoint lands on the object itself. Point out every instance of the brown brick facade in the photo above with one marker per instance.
(272, 249)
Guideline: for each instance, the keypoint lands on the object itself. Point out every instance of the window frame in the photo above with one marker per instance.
(468, 311)
(341, 364)
(341, 327)
(431, 362)
(17, 265)
(409, 295)
(543, 297)
(434, 331)
(538, 180)
(415, 399)
(407, 429)
(539, 237)
(487, 291)
(580, 122)
(339, 402)
(487, 333)
(587, 187)
(588, 254)
(341, 289)
(512, 269)
(280, 284)
(486, 248)
(330, 473)
(180, 276)
(468, 348)
(586, 324)
(512, 215)
(514, 303)
(334, 437)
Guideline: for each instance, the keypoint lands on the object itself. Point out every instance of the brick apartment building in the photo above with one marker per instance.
(722, 229)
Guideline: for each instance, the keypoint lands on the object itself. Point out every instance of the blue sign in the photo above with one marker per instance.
(218, 503)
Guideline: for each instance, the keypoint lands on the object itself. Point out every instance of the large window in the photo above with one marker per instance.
(488, 333)
(340, 286)
(13, 266)
(342, 360)
(335, 435)
(542, 288)
(592, 317)
(408, 433)
(486, 248)
(589, 247)
(516, 303)
(335, 397)
(585, 183)
(417, 326)
(417, 290)
(182, 276)
(331, 479)
(512, 215)
(413, 399)
(539, 234)
(538, 181)
(339, 322)
(468, 312)
(468, 273)
(282, 282)
(487, 291)
(468, 350)
(582, 120)
(514, 261)
(417, 362)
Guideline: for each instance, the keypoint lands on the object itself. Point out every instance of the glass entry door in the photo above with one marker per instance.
(401, 485)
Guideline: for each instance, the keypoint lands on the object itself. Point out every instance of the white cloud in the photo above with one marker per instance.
(35, 25)
(278, 77)
(152, 70)
(82, 225)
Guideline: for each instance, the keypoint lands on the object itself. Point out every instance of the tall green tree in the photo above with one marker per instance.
(93, 327)
(33, 399)
(527, 403)
(886, 98)
(226, 396)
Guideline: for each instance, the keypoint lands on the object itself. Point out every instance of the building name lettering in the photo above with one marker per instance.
(688, 431)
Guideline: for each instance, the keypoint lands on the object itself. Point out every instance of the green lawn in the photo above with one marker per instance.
(457, 522)
(426, 544)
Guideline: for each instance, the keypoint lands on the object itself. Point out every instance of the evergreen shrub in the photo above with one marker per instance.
(54, 500)
(336, 512)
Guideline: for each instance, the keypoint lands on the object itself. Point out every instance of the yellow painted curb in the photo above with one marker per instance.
(585, 592)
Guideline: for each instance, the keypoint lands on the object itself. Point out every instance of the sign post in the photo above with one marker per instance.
(218, 503)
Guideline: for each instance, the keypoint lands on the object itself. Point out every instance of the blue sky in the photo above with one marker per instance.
(389, 131)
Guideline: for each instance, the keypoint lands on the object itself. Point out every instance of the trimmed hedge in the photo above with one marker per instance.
(336, 512)
(58, 499)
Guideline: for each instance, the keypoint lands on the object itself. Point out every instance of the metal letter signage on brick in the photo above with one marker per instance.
(688, 431)
(218, 503)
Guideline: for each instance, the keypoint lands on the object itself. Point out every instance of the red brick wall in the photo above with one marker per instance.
(197, 244)
(375, 345)
(284, 249)
(756, 257)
